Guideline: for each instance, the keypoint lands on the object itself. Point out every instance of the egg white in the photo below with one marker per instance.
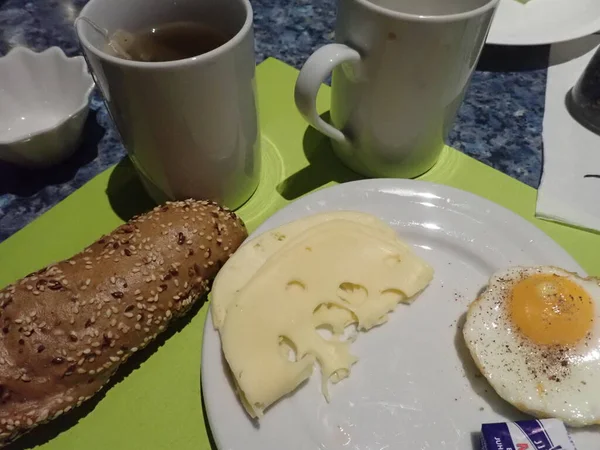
(545, 382)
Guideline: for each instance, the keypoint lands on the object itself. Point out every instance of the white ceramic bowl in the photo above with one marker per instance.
(43, 105)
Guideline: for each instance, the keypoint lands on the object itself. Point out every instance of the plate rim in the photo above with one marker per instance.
(380, 185)
(504, 39)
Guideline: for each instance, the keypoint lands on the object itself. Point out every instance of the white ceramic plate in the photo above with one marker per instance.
(543, 21)
(414, 386)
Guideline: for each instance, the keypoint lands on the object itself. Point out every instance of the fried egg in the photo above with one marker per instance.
(534, 333)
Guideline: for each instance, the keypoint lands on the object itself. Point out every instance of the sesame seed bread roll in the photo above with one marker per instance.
(66, 328)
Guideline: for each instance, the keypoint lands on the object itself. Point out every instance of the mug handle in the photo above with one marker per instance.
(312, 75)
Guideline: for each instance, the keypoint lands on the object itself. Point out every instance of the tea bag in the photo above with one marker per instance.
(119, 41)
(112, 45)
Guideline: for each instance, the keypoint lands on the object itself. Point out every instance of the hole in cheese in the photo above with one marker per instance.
(325, 331)
(352, 293)
(394, 296)
(287, 348)
(332, 318)
(339, 375)
(295, 286)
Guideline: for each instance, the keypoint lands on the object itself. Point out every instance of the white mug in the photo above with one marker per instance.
(400, 71)
(190, 126)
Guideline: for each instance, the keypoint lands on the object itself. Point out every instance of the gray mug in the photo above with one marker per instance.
(400, 71)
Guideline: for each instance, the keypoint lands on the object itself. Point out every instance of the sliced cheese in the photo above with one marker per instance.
(249, 258)
(342, 270)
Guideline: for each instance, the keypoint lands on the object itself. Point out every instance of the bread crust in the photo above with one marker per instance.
(65, 329)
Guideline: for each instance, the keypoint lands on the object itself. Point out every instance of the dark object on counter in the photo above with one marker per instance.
(583, 101)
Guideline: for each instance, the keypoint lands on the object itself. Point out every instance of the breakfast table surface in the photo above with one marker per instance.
(499, 123)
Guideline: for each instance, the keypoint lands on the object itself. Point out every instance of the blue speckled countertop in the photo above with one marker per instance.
(500, 122)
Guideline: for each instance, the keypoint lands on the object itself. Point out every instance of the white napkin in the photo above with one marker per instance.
(571, 151)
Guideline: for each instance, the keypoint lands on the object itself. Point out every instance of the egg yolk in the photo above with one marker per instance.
(551, 310)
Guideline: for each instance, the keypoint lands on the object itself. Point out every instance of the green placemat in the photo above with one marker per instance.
(156, 402)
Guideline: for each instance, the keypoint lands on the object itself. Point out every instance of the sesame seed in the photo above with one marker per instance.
(138, 326)
(168, 313)
(128, 314)
(72, 262)
(137, 292)
(29, 287)
(134, 349)
(113, 323)
(36, 292)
